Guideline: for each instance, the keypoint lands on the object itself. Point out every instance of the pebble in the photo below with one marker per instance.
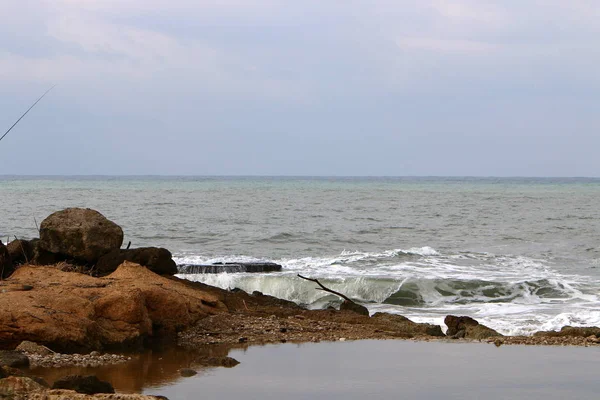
(94, 359)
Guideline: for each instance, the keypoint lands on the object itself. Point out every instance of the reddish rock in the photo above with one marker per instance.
(72, 312)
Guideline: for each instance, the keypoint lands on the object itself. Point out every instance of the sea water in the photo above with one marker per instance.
(517, 254)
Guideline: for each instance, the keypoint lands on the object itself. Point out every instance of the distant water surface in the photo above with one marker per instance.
(519, 254)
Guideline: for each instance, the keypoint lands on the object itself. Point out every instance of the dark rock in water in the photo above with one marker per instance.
(6, 264)
(187, 372)
(156, 259)
(81, 234)
(89, 384)
(21, 251)
(230, 267)
(357, 308)
(572, 331)
(226, 362)
(468, 328)
(14, 359)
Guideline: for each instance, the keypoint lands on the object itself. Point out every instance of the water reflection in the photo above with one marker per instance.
(154, 368)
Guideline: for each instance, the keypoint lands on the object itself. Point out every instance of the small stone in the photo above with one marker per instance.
(95, 353)
(242, 340)
(342, 339)
(187, 372)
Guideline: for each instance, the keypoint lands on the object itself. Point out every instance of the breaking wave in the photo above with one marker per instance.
(513, 294)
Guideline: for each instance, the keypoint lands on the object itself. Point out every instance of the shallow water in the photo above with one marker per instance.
(520, 255)
(397, 369)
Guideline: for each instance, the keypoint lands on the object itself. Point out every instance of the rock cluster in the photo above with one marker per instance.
(87, 240)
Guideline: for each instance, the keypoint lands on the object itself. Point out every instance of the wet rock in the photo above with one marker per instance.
(226, 362)
(354, 307)
(468, 328)
(157, 260)
(187, 372)
(404, 326)
(6, 264)
(34, 348)
(14, 359)
(229, 267)
(80, 234)
(20, 251)
(572, 331)
(19, 387)
(89, 384)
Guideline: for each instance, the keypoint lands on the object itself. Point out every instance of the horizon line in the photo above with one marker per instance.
(295, 176)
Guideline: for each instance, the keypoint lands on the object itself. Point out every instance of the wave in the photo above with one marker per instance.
(513, 294)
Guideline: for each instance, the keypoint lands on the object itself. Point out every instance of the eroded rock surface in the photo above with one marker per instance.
(74, 313)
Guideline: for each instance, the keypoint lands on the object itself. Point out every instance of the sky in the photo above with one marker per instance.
(312, 87)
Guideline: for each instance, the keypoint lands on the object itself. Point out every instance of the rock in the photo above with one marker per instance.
(404, 327)
(187, 372)
(156, 259)
(34, 348)
(89, 384)
(226, 362)
(80, 234)
(41, 256)
(19, 387)
(572, 331)
(229, 267)
(20, 251)
(354, 307)
(77, 313)
(14, 359)
(6, 264)
(468, 328)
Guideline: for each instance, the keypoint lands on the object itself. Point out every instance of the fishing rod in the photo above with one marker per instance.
(29, 109)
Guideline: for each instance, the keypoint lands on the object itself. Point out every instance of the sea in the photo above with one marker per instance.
(518, 254)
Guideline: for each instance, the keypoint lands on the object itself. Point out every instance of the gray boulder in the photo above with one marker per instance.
(81, 234)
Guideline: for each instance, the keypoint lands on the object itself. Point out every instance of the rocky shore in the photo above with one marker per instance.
(74, 297)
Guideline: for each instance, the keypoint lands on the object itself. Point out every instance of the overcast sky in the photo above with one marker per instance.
(311, 87)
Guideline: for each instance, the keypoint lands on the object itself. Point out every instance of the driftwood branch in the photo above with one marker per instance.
(326, 289)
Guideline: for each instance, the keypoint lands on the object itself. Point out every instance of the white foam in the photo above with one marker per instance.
(512, 294)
